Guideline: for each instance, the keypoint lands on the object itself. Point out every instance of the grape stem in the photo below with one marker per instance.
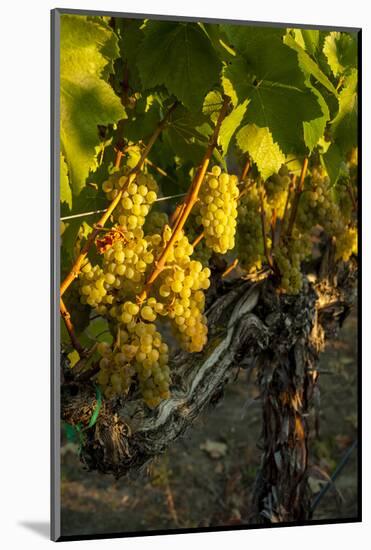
(245, 169)
(352, 197)
(289, 192)
(188, 202)
(71, 331)
(175, 215)
(160, 171)
(274, 227)
(198, 239)
(230, 268)
(298, 192)
(75, 270)
(264, 232)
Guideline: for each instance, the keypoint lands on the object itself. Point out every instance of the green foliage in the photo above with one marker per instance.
(344, 126)
(332, 161)
(87, 100)
(267, 72)
(311, 40)
(309, 66)
(340, 50)
(65, 189)
(258, 142)
(315, 129)
(230, 124)
(180, 57)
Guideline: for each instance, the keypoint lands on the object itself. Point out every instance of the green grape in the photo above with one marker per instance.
(218, 216)
(288, 257)
(155, 222)
(347, 244)
(250, 246)
(276, 189)
(331, 208)
(139, 354)
(136, 200)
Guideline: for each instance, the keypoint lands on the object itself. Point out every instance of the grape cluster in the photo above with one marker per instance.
(180, 287)
(317, 205)
(330, 208)
(250, 244)
(347, 243)
(136, 200)
(218, 210)
(289, 256)
(139, 350)
(93, 285)
(139, 354)
(155, 222)
(122, 273)
(276, 188)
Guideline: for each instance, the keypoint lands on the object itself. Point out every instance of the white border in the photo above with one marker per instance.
(25, 204)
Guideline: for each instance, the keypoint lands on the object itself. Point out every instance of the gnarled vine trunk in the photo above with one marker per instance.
(251, 326)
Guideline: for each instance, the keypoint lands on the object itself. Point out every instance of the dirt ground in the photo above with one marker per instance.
(206, 478)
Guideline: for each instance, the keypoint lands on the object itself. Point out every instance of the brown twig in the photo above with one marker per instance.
(119, 155)
(264, 232)
(189, 201)
(175, 215)
(289, 191)
(159, 170)
(352, 197)
(246, 189)
(69, 326)
(170, 503)
(298, 192)
(230, 268)
(198, 239)
(245, 169)
(75, 270)
(273, 227)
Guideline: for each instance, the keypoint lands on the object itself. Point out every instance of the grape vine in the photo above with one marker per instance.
(265, 187)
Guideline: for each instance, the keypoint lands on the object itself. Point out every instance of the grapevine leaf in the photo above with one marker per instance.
(333, 161)
(259, 144)
(130, 35)
(217, 39)
(229, 90)
(183, 147)
(340, 50)
(230, 124)
(314, 129)
(267, 72)
(311, 40)
(309, 66)
(65, 189)
(344, 125)
(87, 100)
(141, 125)
(98, 331)
(180, 57)
(212, 105)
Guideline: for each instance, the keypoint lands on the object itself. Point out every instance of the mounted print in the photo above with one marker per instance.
(206, 191)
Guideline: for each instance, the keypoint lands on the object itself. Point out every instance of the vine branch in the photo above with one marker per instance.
(298, 192)
(75, 270)
(188, 203)
(69, 326)
(245, 169)
(264, 232)
(198, 239)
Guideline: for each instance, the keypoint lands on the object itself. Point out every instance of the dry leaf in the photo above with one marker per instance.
(214, 449)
